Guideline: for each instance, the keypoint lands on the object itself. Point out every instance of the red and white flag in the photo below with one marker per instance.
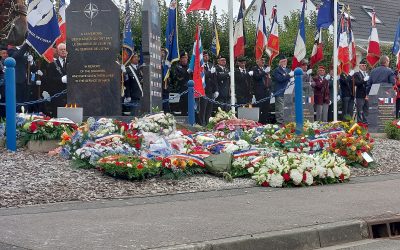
(48, 55)
(317, 53)
(238, 37)
(261, 40)
(197, 65)
(343, 49)
(199, 5)
(374, 50)
(273, 38)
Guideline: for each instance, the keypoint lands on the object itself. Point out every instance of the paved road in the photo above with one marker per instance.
(186, 218)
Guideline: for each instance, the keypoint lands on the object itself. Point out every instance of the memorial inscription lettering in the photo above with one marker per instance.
(94, 79)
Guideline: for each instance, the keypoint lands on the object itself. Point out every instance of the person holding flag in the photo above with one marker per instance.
(171, 36)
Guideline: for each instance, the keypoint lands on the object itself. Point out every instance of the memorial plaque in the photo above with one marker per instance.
(93, 44)
(381, 107)
(308, 104)
(151, 49)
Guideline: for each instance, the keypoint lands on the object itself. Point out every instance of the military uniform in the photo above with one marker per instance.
(179, 80)
(262, 89)
(133, 87)
(211, 89)
(223, 83)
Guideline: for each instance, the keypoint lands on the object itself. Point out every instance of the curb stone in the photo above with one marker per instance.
(305, 238)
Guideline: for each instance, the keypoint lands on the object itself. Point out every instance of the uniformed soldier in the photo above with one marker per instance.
(223, 81)
(243, 83)
(262, 87)
(133, 83)
(211, 90)
(179, 80)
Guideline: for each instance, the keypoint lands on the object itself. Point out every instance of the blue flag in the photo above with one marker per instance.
(171, 35)
(325, 14)
(43, 29)
(128, 45)
(396, 43)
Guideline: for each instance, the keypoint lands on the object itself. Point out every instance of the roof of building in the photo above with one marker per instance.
(387, 11)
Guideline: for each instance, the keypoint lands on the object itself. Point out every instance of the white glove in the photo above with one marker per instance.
(39, 73)
(46, 95)
(190, 71)
(327, 77)
(309, 72)
(251, 73)
(351, 73)
(338, 97)
(291, 74)
(292, 79)
(30, 58)
(212, 70)
(366, 79)
(229, 74)
(123, 68)
(127, 99)
(38, 82)
(267, 69)
(216, 94)
(330, 103)
(253, 100)
(64, 79)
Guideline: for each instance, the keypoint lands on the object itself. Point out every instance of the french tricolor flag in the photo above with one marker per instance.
(238, 37)
(261, 41)
(317, 53)
(343, 47)
(197, 65)
(374, 50)
(300, 48)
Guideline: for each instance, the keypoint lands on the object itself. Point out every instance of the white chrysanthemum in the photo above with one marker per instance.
(296, 176)
(276, 180)
(242, 144)
(250, 170)
(230, 148)
(346, 172)
(337, 171)
(330, 173)
(309, 178)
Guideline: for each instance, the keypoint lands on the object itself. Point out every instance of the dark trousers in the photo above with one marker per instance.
(165, 97)
(224, 99)
(330, 113)
(348, 106)
(183, 103)
(205, 111)
(397, 108)
(362, 110)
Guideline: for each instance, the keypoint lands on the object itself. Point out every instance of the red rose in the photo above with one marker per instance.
(56, 124)
(139, 166)
(334, 145)
(40, 123)
(311, 144)
(343, 153)
(317, 132)
(304, 177)
(119, 163)
(286, 177)
(321, 144)
(341, 177)
(265, 184)
(271, 171)
(33, 127)
(138, 145)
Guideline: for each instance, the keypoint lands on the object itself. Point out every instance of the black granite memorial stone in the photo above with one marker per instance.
(381, 107)
(93, 44)
(151, 49)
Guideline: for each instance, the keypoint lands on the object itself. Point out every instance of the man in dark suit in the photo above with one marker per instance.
(133, 83)
(180, 76)
(211, 90)
(243, 83)
(223, 81)
(347, 89)
(382, 74)
(361, 81)
(281, 77)
(56, 81)
(261, 88)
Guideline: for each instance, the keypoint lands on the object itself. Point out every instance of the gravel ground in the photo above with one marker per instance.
(28, 179)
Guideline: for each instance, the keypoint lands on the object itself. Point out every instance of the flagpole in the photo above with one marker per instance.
(231, 55)
(335, 61)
